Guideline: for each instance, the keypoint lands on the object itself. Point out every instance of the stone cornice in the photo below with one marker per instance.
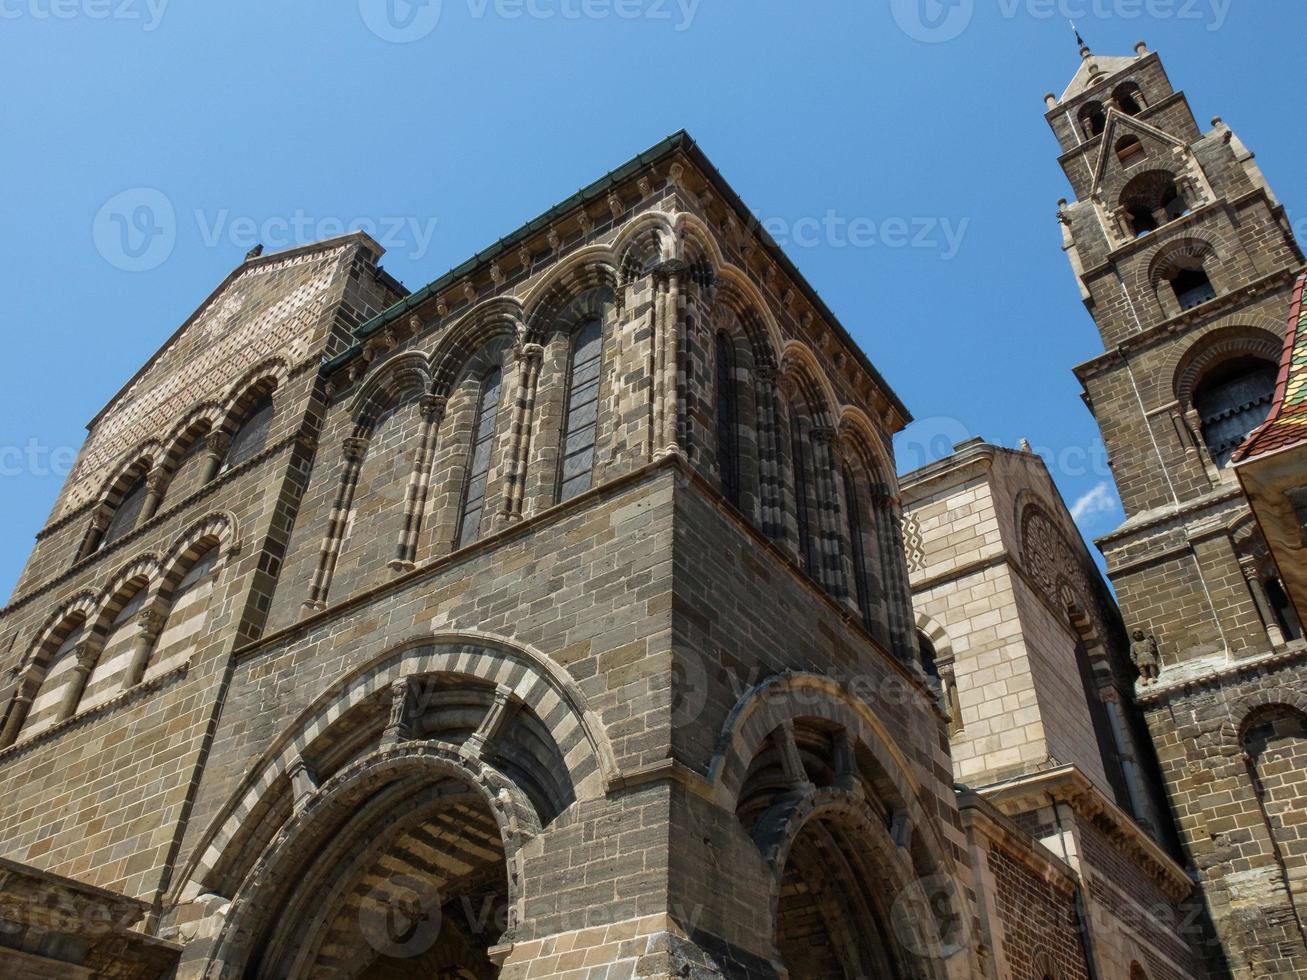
(1202, 674)
(1227, 302)
(1069, 785)
(1001, 830)
(1171, 515)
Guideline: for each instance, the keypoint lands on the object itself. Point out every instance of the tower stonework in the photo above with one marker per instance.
(1187, 263)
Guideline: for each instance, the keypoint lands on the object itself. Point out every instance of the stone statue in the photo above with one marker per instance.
(1143, 651)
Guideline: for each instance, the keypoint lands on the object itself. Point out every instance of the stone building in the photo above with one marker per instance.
(1033, 664)
(1187, 263)
(549, 621)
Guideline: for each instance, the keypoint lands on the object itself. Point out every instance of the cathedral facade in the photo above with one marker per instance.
(555, 620)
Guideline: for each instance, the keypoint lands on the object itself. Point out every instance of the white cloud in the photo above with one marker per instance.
(1100, 500)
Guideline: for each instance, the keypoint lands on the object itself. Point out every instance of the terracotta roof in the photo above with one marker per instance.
(1287, 424)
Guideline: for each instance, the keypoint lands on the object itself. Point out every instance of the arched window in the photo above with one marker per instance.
(728, 448)
(1192, 286)
(929, 658)
(858, 551)
(251, 438)
(1231, 401)
(1152, 200)
(115, 654)
(46, 708)
(580, 425)
(1130, 151)
(802, 490)
(480, 458)
(127, 513)
(1093, 120)
(1130, 99)
(188, 608)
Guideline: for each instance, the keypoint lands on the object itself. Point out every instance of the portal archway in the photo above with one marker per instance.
(405, 863)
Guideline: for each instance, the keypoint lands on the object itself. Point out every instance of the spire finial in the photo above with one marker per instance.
(1080, 40)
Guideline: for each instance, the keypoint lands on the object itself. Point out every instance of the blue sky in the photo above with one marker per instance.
(898, 146)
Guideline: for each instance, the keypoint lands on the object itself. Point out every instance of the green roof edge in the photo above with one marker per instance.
(680, 140)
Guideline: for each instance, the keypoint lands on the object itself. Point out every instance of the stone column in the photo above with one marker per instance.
(827, 495)
(770, 489)
(87, 656)
(156, 486)
(1248, 565)
(491, 725)
(530, 358)
(667, 301)
(151, 625)
(216, 447)
(18, 710)
(94, 533)
(432, 408)
(353, 450)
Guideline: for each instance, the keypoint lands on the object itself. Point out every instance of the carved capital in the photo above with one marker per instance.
(354, 449)
(218, 444)
(151, 622)
(432, 408)
(156, 482)
(531, 353)
(87, 655)
(823, 435)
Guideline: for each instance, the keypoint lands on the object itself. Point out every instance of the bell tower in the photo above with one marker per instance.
(1186, 261)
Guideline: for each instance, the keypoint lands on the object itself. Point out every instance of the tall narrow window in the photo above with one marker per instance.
(478, 468)
(857, 550)
(580, 426)
(728, 449)
(127, 513)
(801, 489)
(253, 433)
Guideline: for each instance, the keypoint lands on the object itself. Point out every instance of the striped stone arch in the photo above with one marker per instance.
(139, 461)
(790, 696)
(1244, 711)
(218, 530)
(736, 289)
(697, 247)
(587, 269)
(498, 319)
(1164, 264)
(201, 419)
(146, 569)
(758, 327)
(910, 851)
(73, 611)
(314, 827)
(1231, 336)
(402, 374)
(533, 679)
(801, 374)
(859, 435)
(642, 244)
(264, 378)
(938, 636)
